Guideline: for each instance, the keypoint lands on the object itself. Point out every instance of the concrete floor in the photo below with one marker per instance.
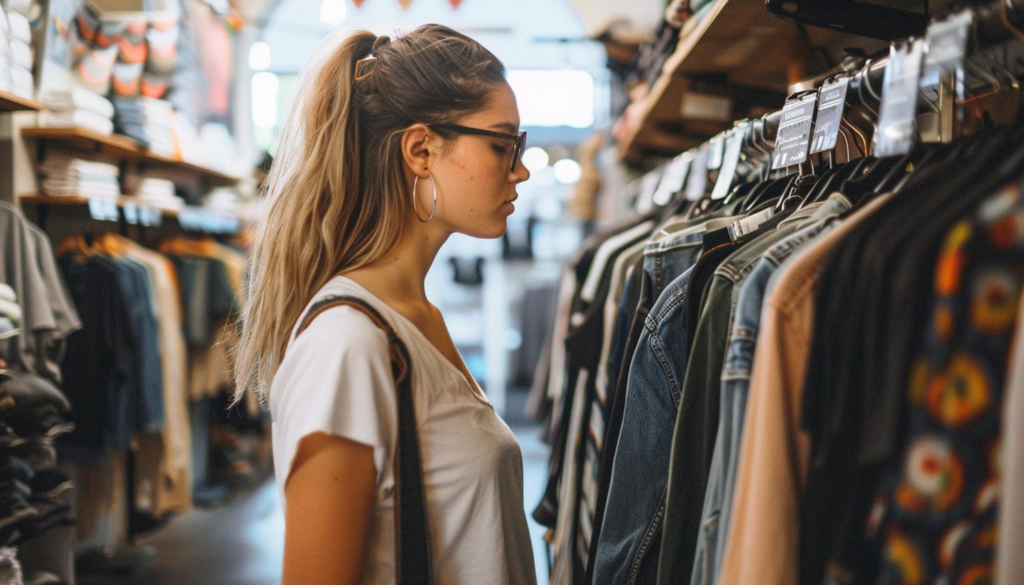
(241, 544)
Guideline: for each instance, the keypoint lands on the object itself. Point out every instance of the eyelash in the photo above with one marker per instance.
(500, 149)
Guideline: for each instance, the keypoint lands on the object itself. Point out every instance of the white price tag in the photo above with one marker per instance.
(895, 135)
(733, 146)
(697, 182)
(794, 135)
(673, 179)
(830, 114)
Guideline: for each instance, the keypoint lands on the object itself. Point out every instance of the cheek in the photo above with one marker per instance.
(475, 178)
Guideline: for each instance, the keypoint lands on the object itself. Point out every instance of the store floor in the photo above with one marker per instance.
(241, 544)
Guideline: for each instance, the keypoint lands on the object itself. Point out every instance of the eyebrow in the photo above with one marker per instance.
(512, 128)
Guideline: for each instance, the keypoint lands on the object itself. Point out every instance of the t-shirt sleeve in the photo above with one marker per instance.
(336, 378)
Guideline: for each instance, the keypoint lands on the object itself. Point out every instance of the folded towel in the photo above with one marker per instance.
(19, 26)
(79, 118)
(20, 6)
(7, 293)
(22, 83)
(21, 54)
(80, 190)
(79, 169)
(79, 98)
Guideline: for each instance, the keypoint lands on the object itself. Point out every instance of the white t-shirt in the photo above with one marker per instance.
(336, 378)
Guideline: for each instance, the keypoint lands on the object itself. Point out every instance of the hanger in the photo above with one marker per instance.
(111, 245)
(77, 246)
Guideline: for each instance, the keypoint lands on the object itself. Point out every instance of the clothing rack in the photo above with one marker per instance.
(990, 29)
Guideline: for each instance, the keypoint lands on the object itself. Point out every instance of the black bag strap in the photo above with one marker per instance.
(412, 541)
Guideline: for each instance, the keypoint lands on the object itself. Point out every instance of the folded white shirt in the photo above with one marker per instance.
(60, 162)
(22, 83)
(79, 98)
(76, 118)
(19, 27)
(84, 190)
(20, 6)
(21, 54)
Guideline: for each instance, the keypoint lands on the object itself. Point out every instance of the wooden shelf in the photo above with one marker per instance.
(738, 47)
(72, 200)
(188, 218)
(122, 148)
(13, 103)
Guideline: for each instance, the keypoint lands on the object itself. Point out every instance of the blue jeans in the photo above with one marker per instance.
(663, 261)
(630, 529)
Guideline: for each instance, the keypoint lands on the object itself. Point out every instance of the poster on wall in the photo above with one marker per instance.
(205, 78)
(52, 38)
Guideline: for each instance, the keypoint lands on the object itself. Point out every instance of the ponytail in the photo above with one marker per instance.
(336, 195)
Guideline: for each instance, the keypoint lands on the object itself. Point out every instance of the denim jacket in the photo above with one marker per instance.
(735, 380)
(631, 524)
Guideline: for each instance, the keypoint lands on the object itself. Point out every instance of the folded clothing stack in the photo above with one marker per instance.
(79, 107)
(33, 494)
(10, 312)
(162, 56)
(160, 194)
(147, 121)
(5, 53)
(17, 41)
(223, 199)
(68, 176)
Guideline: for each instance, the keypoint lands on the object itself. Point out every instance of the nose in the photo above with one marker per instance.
(520, 174)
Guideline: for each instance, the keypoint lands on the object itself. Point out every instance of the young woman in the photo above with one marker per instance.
(392, 147)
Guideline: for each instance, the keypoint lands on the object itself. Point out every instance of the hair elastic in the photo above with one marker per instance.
(366, 66)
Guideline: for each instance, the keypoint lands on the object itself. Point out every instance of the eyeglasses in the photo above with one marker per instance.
(517, 150)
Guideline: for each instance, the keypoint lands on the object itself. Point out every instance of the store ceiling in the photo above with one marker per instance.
(524, 34)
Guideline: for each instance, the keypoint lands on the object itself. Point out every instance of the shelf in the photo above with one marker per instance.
(122, 202)
(737, 50)
(122, 148)
(137, 212)
(13, 103)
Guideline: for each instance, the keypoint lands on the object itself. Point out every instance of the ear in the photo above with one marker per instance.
(418, 148)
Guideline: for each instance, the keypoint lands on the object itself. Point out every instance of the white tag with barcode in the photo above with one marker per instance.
(895, 135)
(731, 159)
(946, 42)
(749, 224)
(794, 135)
(830, 114)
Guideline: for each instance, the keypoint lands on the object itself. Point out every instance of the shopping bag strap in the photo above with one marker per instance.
(412, 550)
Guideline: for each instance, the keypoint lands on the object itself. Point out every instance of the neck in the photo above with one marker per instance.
(400, 276)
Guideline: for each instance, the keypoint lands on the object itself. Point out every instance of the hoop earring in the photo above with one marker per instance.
(433, 209)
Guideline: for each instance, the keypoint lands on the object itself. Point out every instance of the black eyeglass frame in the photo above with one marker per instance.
(517, 150)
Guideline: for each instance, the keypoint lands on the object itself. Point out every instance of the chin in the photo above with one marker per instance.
(488, 232)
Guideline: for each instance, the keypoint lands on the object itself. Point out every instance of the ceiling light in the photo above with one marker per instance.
(567, 171)
(535, 158)
(259, 56)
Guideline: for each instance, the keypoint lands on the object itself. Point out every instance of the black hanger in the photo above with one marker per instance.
(740, 192)
(825, 185)
(857, 186)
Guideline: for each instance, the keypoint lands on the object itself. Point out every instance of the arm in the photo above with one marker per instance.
(329, 496)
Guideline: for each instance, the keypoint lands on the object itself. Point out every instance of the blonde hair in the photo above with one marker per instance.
(336, 193)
